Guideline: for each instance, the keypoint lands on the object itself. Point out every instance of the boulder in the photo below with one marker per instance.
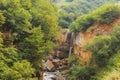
(49, 65)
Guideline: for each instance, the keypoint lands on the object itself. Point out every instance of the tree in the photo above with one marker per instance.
(33, 48)
(11, 65)
(46, 17)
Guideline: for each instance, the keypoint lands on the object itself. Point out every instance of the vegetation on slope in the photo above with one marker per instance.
(12, 67)
(104, 63)
(70, 11)
(104, 15)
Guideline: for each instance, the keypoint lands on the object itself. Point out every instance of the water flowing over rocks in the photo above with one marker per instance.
(53, 76)
(52, 67)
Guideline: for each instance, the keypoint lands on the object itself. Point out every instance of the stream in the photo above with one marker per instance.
(53, 76)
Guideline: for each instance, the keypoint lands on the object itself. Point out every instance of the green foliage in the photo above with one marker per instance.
(106, 55)
(74, 71)
(108, 13)
(11, 65)
(73, 58)
(2, 19)
(105, 61)
(111, 71)
(103, 15)
(19, 71)
(105, 46)
(82, 23)
(78, 72)
(101, 50)
(45, 15)
(16, 16)
(31, 27)
(26, 4)
(33, 47)
(24, 69)
(77, 8)
(40, 38)
(22, 15)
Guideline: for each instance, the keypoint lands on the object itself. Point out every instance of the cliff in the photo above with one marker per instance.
(81, 39)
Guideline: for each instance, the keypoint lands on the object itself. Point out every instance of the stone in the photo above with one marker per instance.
(49, 65)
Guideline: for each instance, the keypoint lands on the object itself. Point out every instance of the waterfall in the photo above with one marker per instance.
(71, 44)
(70, 51)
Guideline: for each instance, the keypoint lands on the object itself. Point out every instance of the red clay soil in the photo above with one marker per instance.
(89, 36)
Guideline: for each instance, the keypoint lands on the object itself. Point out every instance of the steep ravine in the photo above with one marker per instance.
(69, 43)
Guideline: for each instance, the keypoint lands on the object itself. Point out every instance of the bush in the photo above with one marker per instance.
(81, 73)
(101, 50)
(112, 70)
(82, 23)
(108, 13)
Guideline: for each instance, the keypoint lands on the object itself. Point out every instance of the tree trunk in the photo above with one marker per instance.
(41, 76)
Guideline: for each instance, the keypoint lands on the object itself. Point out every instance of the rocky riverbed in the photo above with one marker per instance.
(51, 69)
(53, 76)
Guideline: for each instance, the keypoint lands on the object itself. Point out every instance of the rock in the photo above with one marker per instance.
(49, 65)
(56, 63)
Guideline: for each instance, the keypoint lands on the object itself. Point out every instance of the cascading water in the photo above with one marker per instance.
(71, 44)
(70, 51)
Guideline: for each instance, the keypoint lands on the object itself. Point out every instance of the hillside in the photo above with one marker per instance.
(69, 11)
(97, 45)
(105, 14)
